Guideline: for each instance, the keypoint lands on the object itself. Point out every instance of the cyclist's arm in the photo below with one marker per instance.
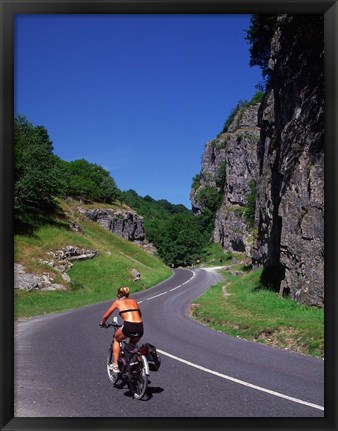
(110, 310)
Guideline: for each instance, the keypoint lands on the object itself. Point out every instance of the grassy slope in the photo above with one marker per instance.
(93, 280)
(240, 306)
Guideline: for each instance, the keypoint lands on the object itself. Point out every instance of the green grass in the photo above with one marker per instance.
(215, 255)
(93, 280)
(241, 307)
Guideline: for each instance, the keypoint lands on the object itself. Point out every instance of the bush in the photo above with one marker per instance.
(250, 207)
(210, 198)
(221, 175)
(257, 98)
(196, 181)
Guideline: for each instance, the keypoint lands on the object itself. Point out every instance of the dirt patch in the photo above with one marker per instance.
(287, 338)
(192, 308)
(225, 292)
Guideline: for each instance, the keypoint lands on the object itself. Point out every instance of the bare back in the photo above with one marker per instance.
(129, 304)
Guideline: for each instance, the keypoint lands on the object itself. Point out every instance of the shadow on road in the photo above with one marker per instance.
(148, 395)
(123, 384)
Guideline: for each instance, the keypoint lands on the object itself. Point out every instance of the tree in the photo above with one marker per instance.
(37, 179)
(180, 241)
(90, 181)
(260, 33)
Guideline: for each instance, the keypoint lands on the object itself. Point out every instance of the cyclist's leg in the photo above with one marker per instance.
(119, 336)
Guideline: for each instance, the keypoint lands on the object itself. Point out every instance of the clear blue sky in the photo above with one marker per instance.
(140, 95)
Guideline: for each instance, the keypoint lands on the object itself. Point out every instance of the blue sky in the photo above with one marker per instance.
(139, 95)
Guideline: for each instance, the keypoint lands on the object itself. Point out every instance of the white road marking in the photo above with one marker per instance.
(193, 275)
(152, 297)
(175, 288)
(241, 382)
(160, 294)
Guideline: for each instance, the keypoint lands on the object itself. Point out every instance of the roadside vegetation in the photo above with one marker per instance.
(214, 255)
(242, 307)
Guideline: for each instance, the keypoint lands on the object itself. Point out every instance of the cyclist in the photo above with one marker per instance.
(130, 312)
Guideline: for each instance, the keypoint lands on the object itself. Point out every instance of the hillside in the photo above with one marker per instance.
(87, 281)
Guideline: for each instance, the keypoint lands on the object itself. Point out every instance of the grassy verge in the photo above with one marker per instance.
(92, 280)
(241, 307)
(215, 255)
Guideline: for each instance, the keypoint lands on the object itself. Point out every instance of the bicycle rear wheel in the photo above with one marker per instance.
(138, 378)
(112, 376)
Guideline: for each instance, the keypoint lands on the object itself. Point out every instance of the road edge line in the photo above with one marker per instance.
(242, 382)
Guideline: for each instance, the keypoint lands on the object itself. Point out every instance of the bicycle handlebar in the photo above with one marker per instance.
(108, 325)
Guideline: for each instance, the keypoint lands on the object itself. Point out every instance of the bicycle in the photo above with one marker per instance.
(133, 364)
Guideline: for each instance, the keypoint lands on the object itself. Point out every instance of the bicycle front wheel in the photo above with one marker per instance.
(138, 378)
(111, 375)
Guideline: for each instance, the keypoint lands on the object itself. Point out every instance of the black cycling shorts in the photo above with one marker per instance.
(132, 328)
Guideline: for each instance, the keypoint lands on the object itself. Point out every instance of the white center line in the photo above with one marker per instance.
(175, 288)
(152, 297)
(241, 382)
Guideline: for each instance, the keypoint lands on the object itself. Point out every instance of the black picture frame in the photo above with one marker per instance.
(8, 10)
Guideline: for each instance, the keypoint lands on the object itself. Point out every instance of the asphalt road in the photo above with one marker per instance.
(60, 365)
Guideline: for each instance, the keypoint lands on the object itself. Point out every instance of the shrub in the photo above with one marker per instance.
(221, 175)
(196, 181)
(250, 207)
(257, 98)
(210, 198)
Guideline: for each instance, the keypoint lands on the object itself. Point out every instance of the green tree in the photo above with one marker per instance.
(259, 35)
(90, 181)
(37, 171)
(180, 241)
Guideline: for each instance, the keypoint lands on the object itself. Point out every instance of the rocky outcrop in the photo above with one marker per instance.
(229, 164)
(27, 281)
(290, 181)
(127, 224)
(61, 261)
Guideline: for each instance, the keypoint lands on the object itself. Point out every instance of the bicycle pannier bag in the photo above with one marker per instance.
(154, 359)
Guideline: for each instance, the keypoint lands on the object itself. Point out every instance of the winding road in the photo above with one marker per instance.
(60, 365)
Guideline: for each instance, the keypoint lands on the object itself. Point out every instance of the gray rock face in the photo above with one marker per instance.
(26, 281)
(290, 181)
(287, 163)
(127, 224)
(235, 154)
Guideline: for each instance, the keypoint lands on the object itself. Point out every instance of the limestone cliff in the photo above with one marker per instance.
(290, 180)
(229, 164)
(279, 146)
